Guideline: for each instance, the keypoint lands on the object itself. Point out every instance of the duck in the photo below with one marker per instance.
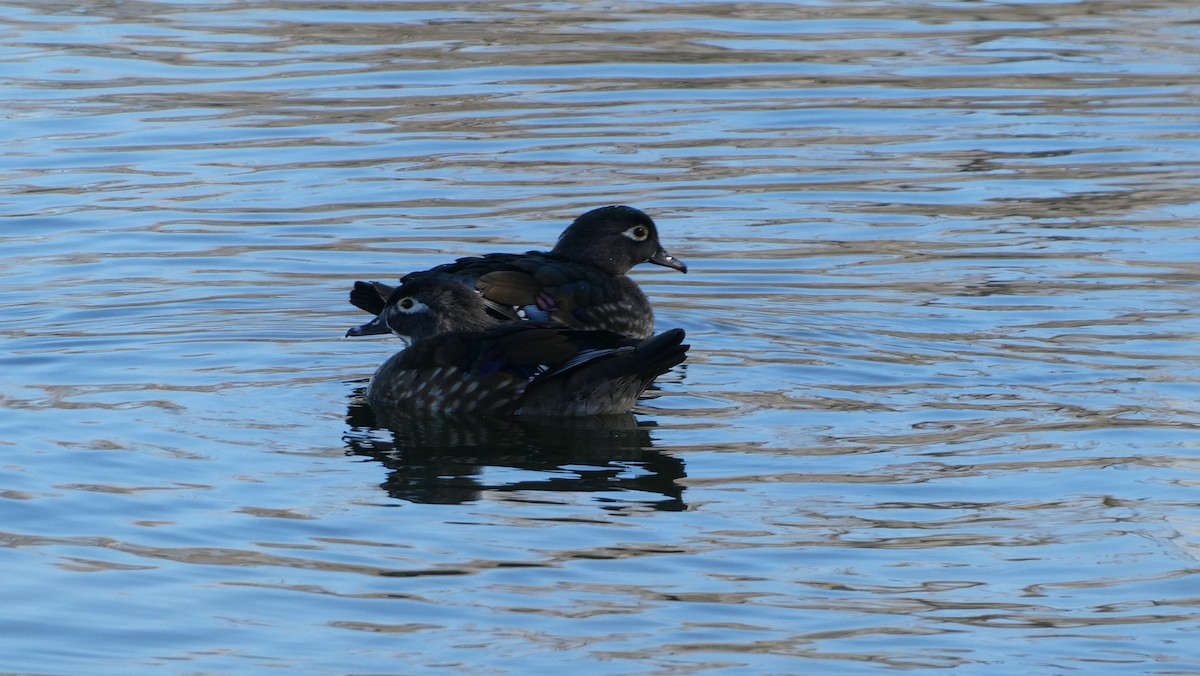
(581, 283)
(462, 360)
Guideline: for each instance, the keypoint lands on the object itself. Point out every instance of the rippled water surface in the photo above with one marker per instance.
(941, 411)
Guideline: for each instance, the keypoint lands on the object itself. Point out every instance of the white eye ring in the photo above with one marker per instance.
(637, 233)
(409, 305)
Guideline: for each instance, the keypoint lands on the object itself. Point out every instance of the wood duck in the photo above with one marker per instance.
(460, 359)
(581, 283)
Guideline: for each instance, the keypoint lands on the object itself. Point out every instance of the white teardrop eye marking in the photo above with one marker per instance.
(409, 306)
(637, 233)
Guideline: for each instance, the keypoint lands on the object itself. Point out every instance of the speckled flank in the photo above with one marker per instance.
(442, 389)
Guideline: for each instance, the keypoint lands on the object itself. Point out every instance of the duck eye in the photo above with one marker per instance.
(637, 233)
(407, 304)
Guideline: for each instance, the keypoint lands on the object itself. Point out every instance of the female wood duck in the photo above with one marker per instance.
(462, 360)
(580, 283)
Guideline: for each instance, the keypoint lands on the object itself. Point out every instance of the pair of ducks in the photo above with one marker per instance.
(558, 333)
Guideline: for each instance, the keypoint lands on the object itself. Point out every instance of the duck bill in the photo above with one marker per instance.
(375, 327)
(668, 261)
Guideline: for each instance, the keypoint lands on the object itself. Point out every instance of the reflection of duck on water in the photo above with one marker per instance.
(443, 458)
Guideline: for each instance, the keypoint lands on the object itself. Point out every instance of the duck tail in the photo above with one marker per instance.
(370, 297)
(656, 355)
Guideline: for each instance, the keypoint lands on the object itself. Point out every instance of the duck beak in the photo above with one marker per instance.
(375, 327)
(668, 261)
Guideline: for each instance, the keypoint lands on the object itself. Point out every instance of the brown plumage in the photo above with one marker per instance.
(582, 283)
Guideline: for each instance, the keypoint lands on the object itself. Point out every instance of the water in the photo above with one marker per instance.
(940, 412)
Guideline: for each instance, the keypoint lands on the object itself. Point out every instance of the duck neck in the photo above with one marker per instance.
(473, 321)
(577, 252)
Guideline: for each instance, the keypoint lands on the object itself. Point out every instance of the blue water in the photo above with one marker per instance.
(940, 413)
